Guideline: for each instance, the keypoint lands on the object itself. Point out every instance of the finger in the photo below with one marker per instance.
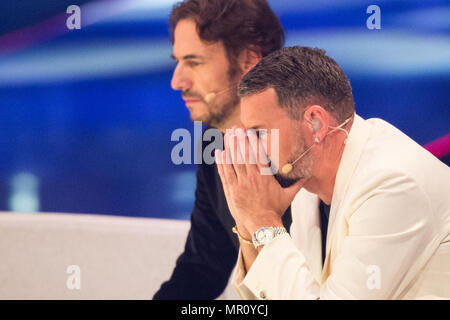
(243, 155)
(240, 134)
(251, 141)
(252, 146)
(226, 155)
(219, 155)
(228, 169)
(262, 161)
(262, 149)
(219, 162)
(233, 148)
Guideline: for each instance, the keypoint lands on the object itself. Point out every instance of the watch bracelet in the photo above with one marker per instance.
(276, 232)
(279, 231)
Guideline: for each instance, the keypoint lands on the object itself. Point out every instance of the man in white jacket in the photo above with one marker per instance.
(387, 203)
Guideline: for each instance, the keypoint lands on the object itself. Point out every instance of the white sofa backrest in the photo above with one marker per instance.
(117, 257)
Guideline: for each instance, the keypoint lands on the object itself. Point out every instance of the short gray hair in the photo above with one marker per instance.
(302, 76)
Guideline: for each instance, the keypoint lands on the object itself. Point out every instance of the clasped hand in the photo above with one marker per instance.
(255, 200)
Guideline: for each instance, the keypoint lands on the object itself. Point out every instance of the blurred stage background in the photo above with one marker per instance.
(86, 115)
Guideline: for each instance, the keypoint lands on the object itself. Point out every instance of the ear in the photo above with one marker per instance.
(249, 57)
(318, 121)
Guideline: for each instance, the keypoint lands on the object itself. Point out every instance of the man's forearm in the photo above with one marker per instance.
(249, 254)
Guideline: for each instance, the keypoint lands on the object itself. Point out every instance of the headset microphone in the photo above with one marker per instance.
(289, 166)
(316, 124)
(210, 96)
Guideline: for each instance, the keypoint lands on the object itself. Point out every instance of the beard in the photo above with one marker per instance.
(214, 114)
(301, 169)
(285, 182)
(218, 113)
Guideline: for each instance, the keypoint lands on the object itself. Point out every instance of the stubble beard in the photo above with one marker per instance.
(218, 114)
(301, 169)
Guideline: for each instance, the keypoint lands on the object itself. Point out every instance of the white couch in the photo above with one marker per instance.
(117, 257)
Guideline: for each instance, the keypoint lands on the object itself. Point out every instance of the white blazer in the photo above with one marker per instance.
(388, 233)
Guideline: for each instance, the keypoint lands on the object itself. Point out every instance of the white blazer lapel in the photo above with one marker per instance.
(356, 140)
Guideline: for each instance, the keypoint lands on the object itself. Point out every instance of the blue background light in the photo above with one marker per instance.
(89, 113)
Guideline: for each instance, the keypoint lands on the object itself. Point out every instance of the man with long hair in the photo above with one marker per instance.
(215, 43)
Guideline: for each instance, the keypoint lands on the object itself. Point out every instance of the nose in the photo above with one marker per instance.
(180, 79)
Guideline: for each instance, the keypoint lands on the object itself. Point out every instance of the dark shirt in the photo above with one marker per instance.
(324, 214)
(202, 271)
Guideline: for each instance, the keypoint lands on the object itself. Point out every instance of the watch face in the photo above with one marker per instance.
(263, 235)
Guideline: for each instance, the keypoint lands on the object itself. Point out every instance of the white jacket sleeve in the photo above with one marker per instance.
(386, 235)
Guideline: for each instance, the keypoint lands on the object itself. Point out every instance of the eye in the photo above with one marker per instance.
(193, 64)
(262, 133)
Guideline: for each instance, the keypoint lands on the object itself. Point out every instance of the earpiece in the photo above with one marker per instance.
(316, 124)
